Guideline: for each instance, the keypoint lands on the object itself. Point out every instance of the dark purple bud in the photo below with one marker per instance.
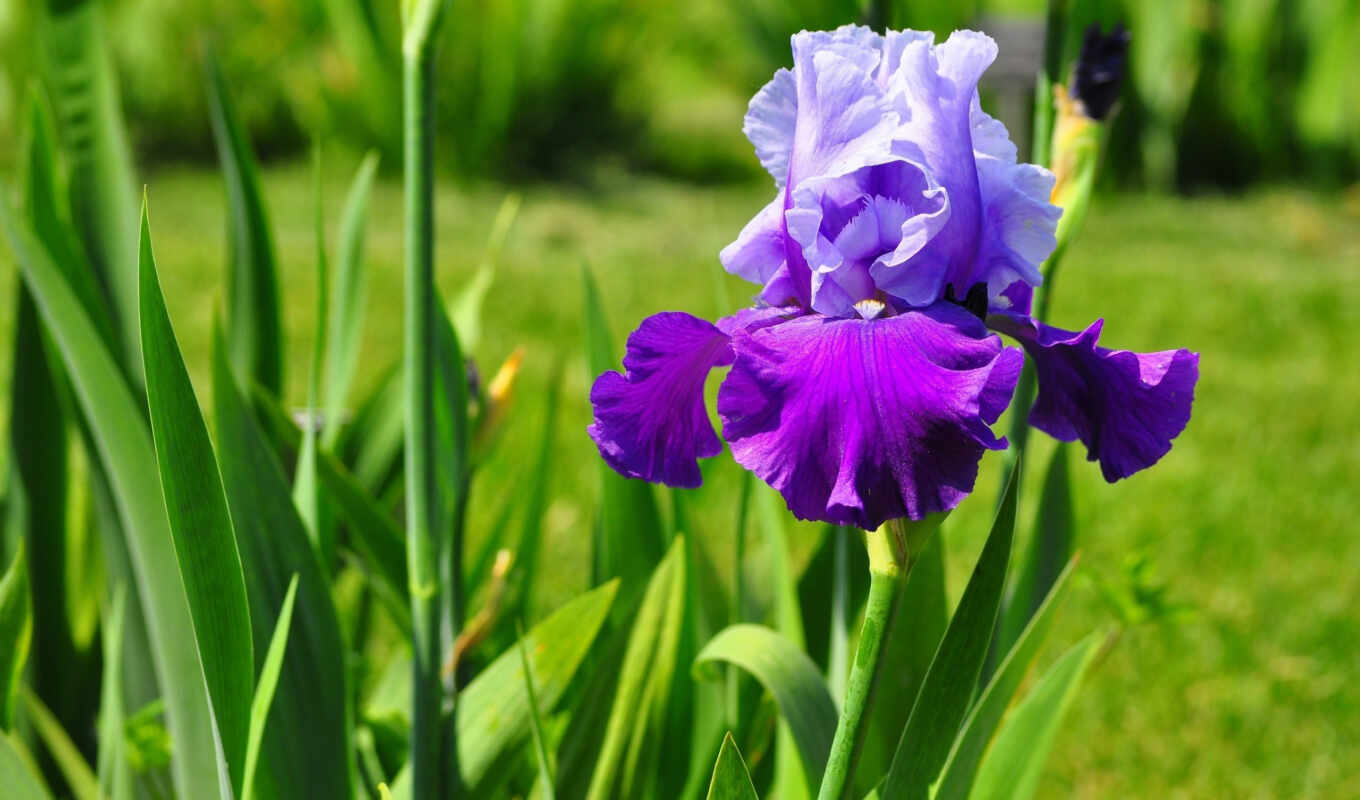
(1100, 69)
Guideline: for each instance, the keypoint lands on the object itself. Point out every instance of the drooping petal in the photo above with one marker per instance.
(759, 251)
(650, 422)
(857, 422)
(1125, 407)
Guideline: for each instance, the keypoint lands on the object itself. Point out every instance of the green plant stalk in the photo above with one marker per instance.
(891, 550)
(422, 553)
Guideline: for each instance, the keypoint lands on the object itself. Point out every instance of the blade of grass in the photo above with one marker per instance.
(948, 687)
(17, 773)
(200, 523)
(80, 779)
(544, 765)
(254, 323)
(791, 677)
(115, 776)
(305, 494)
(731, 780)
(16, 632)
(348, 301)
(307, 740)
(956, 779)
(466, 308)
(119, 433)
(264, 690)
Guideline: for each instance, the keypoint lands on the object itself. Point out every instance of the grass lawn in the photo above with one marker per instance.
(1249, 520)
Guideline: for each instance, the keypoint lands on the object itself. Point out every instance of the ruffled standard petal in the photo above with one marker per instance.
(1125, 407)
(650, 422)
(856, 422)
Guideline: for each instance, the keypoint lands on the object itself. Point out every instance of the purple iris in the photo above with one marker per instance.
(864, 383)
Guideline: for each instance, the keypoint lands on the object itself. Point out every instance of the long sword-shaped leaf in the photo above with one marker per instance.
(84, 94)
(264, 690)
(254, 324)
(115, 774)
(123, 443)
(493, 710)
(731, 780)
(306, 745)
(545, 773)
(466, 308)
(794, 680)
(305, 490)
(1016, 759)
(17, 775)
(948, 687)
(196, 504)
(79, 777)
(349, 297)
(956, 779)
(16, 632)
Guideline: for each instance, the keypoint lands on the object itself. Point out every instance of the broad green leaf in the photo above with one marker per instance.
(84, 91)
(632, 734)
(196, 505)
(80, 779)
(348, 301)
(788, 674)
(373, 534)
(264, 690)
(254, 324)
(545, 773)
(629, 537)
(466, 308)
(306, 744)
(1015, 761)
(731, 781)
(493, 710)
(18, 775)
(16, 632)
(119, 433)
(948, 687)
(1050, 548)
(115, 776)
(956, 779)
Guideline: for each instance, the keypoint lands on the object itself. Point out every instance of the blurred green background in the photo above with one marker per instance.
(1231, 226)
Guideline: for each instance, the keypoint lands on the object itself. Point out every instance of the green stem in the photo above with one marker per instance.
(890, 558)
(422, 551)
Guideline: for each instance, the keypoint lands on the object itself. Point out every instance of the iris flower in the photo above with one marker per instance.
(865, 380)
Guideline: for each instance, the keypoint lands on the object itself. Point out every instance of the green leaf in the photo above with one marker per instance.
(1016, 759)
(788, 674)
(264, 690)
(16, 632)
(18, 775)
(79, 777)
(1049, 550)
(115, 777)
(466, 308)
(545, 777)
(629, 536)
(83, 85)
(731, 781)
(307, 742)
(493, 710)
(376, 437)
(118, 431)
(956, 778)
(305, 492)
(948, 687)
(254, 324)
(200, 524)
(348, 301)
(633, 732)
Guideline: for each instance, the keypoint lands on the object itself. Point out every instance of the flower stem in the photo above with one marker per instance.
(890, 559)
(422, 551)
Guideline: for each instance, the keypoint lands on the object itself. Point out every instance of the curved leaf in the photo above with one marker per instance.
(789, 675)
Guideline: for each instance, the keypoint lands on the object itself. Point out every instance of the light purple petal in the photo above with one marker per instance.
(1125, 407)
(759, 251)
(650, 422)
(857, 422)
(770, 121)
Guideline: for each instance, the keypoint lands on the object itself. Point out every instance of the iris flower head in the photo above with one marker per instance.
(865, 379)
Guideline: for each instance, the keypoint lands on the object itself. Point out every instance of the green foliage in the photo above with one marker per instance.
(17, 773)
(731, 780)
(16, 632)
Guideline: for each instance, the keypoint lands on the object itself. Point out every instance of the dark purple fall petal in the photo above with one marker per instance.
(651, 423)
(856, 422)
(1125, 407)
